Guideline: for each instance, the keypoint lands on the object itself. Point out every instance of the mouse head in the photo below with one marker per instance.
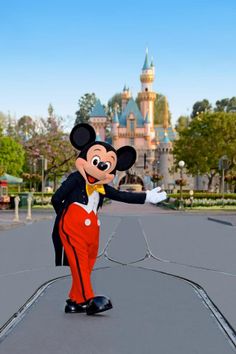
(98, 161)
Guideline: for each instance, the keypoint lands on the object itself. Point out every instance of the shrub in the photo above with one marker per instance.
(205, 195)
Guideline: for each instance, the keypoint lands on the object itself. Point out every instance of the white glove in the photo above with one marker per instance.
(155, 196)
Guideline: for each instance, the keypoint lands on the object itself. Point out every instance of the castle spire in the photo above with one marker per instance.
(146, 62)
(125, 96)
(152, 63)
(147, 96)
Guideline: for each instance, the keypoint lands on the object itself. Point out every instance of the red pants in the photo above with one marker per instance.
(79, 233)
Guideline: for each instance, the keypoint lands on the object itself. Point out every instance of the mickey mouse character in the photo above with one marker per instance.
(76, 202)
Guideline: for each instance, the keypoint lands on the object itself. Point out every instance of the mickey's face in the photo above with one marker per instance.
(98, 161)
(98, 166)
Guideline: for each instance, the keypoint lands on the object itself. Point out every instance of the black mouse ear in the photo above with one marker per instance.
(126, 157)
(81, 135)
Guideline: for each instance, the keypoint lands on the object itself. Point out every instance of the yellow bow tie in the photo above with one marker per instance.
(97, 187)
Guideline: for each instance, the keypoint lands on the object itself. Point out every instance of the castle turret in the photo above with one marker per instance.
(165, 149)
(98, 119)
(147, 97)
(115, 126)
(125, 96)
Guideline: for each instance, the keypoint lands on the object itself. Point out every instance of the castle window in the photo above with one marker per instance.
(146, 89)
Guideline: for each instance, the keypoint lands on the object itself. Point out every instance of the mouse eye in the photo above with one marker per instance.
(95, 160)
(108, 165)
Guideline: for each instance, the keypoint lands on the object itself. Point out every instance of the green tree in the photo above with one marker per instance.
(221, 105)
(232, 105)
(206, 139)
(114, 102)
(11, 128)
(159, 107)
(3, 121)
(54, 145)
(226, 105)
(200, 107)
(25, 128)
(86, 104)
(182, 123)
(11, 156)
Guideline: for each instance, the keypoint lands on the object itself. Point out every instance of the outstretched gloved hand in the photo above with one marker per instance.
(155, 196)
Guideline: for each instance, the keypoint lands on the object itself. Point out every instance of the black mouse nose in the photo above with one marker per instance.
(102, 166)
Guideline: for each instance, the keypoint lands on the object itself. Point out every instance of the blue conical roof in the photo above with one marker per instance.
(146, 62)
(166, 138)
(115, 117)
(98, 110)
(132, 107)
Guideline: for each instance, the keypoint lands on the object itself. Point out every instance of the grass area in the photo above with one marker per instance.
(48, 206)
(169, 205)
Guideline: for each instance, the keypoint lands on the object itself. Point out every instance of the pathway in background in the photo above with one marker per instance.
(138, 243)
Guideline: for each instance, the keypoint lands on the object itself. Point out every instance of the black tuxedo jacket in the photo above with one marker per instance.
(73, 189)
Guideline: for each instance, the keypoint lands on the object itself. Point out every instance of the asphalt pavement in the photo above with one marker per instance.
(170, 275)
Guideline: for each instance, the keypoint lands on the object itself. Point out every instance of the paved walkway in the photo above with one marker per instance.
(7, 218)
(145, 254)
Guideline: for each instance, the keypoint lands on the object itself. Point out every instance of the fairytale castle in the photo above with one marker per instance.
(137, 125)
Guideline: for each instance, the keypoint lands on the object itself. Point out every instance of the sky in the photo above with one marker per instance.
(54, 51)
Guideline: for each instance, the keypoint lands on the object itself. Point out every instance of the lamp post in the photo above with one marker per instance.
(181, 166)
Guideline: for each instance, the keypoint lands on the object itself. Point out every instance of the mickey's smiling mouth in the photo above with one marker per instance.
(90, 178)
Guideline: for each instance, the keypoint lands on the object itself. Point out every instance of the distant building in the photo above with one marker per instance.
(136, 126)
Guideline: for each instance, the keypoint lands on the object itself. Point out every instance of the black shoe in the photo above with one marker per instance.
(73, 307)
(98, 304)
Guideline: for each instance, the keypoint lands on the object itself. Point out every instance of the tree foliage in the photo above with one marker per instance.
(207, 138)
(159, 106)
(226, 105)
(114, 102)
(200, 107)
(3, 122)
(25, 128)
(182, 123)
(86, 104)
(11, 156)
(53, 144)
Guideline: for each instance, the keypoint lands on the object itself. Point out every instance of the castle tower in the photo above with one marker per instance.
(125, 96)
(165, 149)
(98, 119)
(115, 125)
(147, 97)
(147, 129)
